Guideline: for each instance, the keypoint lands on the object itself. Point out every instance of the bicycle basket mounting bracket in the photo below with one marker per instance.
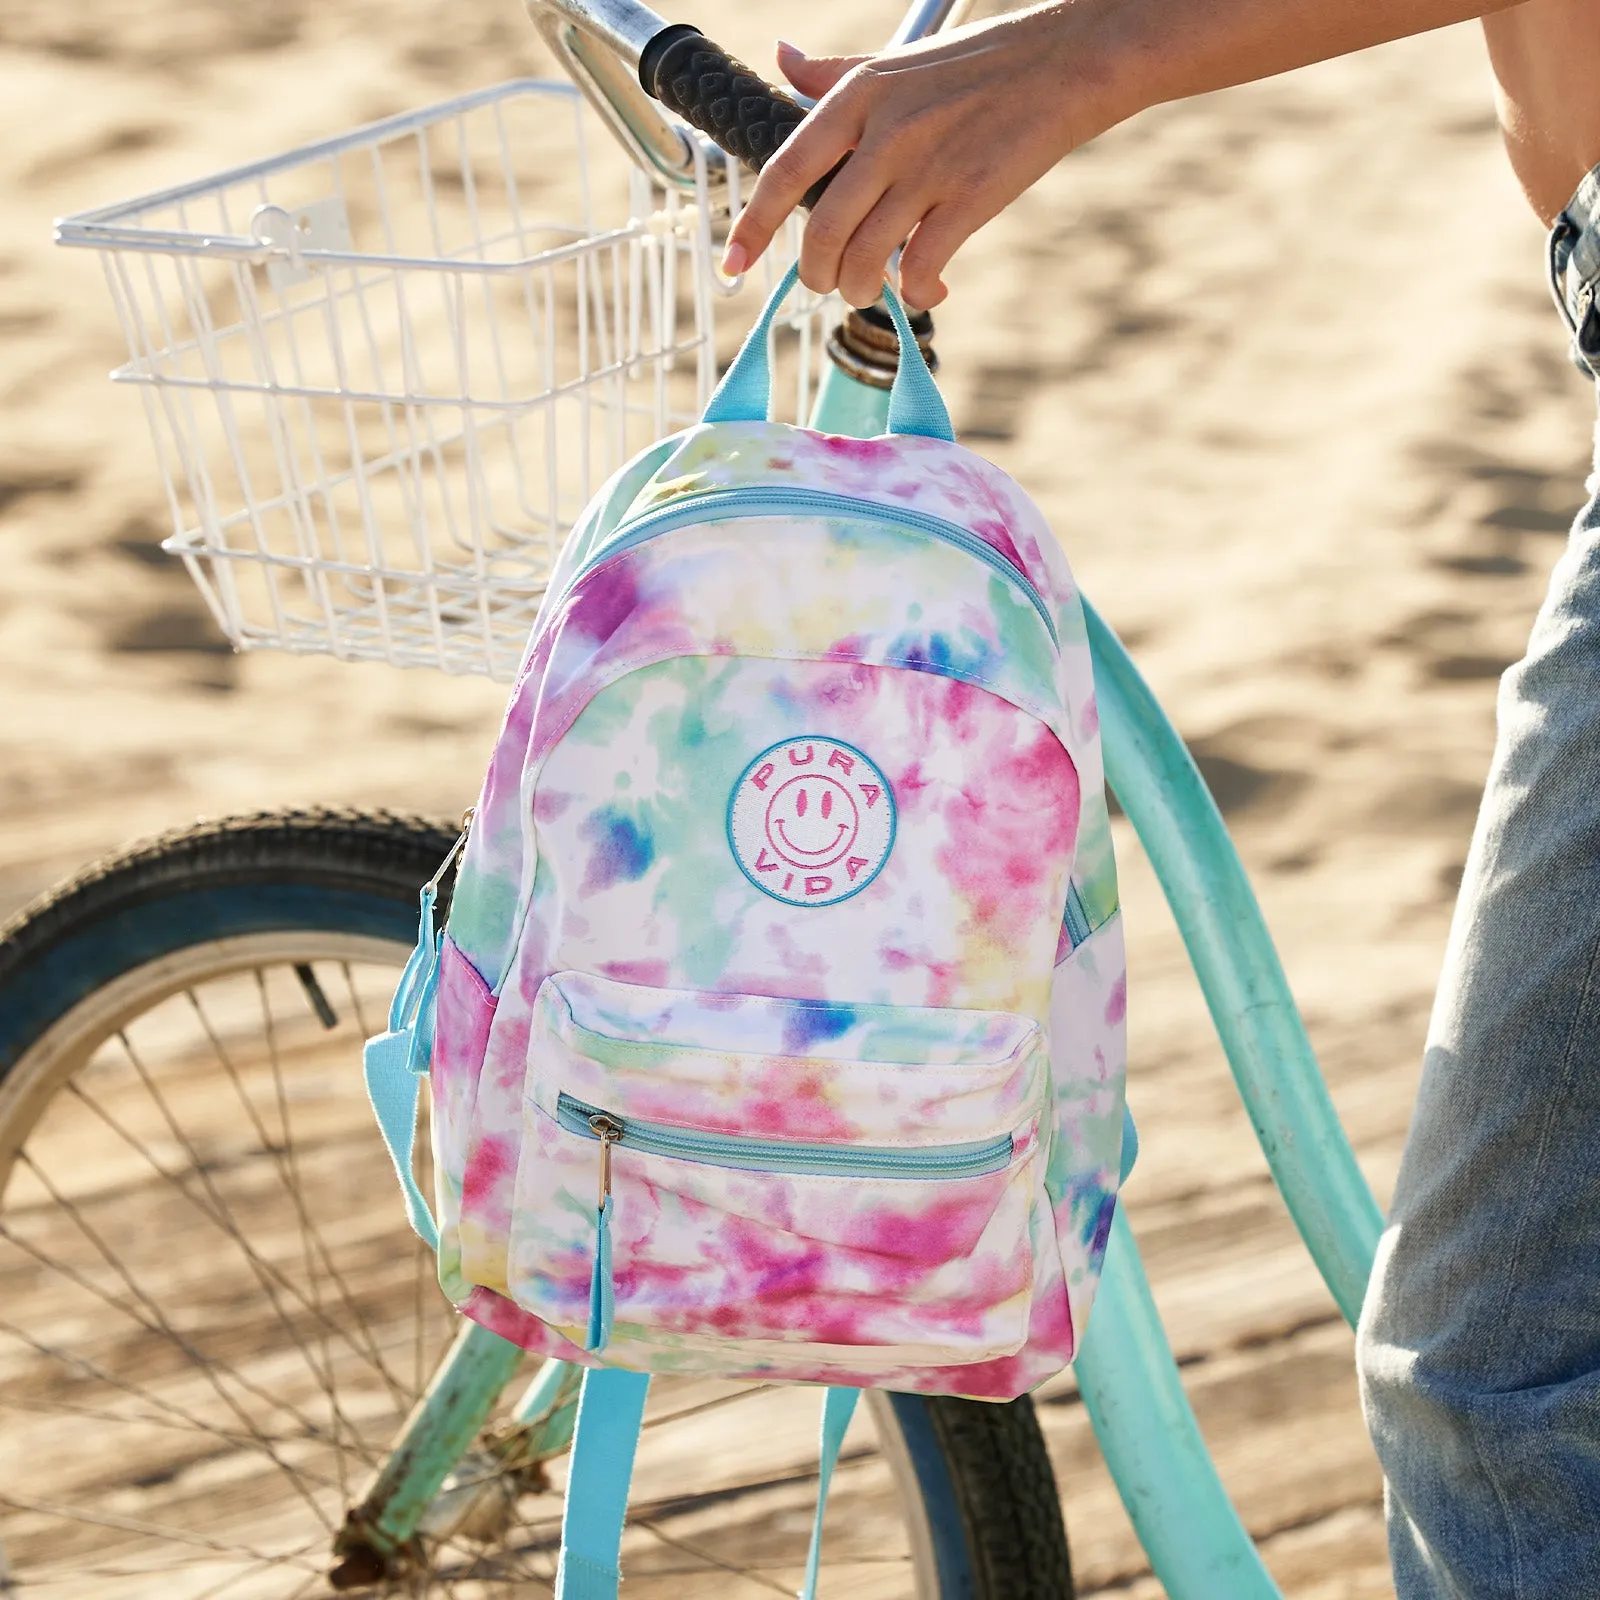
(320, 225)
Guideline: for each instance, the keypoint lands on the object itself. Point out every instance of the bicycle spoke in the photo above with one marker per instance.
(294, 1594)
(707, 1405)
(185, 1419)
(474, 1562)
(169, 1563)
(285, 1159)
(259, 1266)
(363, 1026)
(153, 1321)
(295, 1199)
(313, 1277)
(158, 1324)
(184, 1424)
(222, 1586)
(419, 1278)
(39, 1579)
(109, 1519)
(705, 1556)
(475, 1567)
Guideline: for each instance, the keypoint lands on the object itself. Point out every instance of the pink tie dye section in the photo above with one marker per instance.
(463, 1016)
(709, 1252)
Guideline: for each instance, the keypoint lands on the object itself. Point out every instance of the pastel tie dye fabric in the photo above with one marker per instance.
(780, 1023)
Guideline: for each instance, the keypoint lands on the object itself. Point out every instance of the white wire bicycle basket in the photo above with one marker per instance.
(385, 372)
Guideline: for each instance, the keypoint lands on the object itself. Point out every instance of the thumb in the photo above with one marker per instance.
(813, 76)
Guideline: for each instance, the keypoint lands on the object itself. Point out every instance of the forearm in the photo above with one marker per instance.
(1139, 53)
(942, 134)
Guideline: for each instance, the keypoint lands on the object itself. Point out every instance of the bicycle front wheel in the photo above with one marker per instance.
(214, 1320)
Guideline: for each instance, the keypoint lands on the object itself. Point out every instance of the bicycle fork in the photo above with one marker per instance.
(446, 1474)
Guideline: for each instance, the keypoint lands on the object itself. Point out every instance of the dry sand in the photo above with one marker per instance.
(1280, 368)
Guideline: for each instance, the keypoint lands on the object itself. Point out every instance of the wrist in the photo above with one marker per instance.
(1103, 66)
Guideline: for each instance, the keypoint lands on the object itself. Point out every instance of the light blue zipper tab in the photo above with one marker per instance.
(726, 505)
(970, 1160)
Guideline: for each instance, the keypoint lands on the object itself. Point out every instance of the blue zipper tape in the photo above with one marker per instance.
(969, 1160)
(725, 505)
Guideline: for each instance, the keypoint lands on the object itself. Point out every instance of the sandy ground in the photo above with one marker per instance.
(1279, 366)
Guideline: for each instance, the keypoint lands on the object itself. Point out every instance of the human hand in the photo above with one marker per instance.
(941, 136)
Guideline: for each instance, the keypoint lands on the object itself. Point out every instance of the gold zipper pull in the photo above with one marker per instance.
(608, 1131)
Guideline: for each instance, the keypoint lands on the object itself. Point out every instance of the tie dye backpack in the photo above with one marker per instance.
(779, 1015)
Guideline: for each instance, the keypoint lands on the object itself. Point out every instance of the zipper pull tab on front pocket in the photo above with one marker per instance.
(608, 1131)
(602, 1295)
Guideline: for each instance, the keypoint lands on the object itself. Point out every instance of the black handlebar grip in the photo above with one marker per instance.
(723, 98)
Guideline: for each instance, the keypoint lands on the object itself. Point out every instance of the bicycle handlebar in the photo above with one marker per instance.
(716, 93)
(597, 41)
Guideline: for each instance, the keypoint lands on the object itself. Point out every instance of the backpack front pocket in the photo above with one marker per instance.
(703, 1170)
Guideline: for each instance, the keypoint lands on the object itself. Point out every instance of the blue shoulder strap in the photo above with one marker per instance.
(837, 1409)
(610, 1414)
(915, 405)
(396, 1062)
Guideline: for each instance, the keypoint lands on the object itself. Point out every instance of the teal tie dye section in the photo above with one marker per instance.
(1095, 870)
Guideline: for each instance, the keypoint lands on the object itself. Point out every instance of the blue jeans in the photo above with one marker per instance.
(1479, 1346)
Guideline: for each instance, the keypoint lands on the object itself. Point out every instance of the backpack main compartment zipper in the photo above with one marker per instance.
(725, 505)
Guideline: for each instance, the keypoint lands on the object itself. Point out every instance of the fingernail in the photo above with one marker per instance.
(735, 258)
(793, 49)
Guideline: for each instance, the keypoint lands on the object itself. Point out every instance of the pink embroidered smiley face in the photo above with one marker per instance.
(811, 821)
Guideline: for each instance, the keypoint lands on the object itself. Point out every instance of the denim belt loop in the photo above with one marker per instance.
(1563, 233)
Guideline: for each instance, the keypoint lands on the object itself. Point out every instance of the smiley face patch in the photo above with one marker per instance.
(811, 821)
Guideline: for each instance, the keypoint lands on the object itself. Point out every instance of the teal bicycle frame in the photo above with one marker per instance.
(1194, 1539)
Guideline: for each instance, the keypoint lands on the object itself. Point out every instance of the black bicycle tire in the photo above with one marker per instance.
(1002, 1492)
(48, 962)
(984, 1473)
